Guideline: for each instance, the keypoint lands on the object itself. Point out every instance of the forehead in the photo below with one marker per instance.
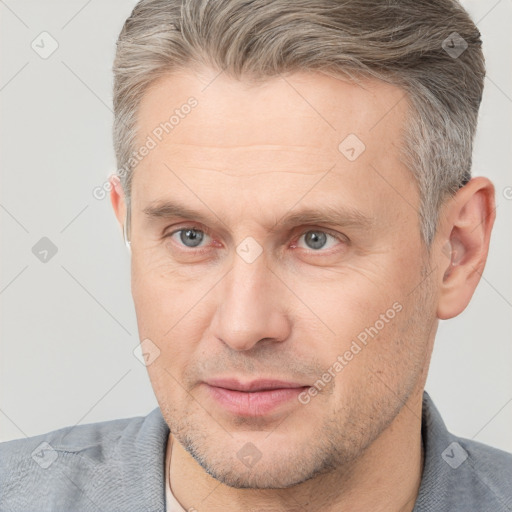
(274, 139)
(306, 109)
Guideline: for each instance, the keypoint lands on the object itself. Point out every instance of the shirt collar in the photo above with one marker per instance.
(151, 444)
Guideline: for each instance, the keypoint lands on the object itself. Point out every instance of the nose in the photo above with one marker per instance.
(251, 306)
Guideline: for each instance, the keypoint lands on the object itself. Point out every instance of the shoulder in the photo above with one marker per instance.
(489, 467)
(74, 467)
(461, 474)
(92, 440)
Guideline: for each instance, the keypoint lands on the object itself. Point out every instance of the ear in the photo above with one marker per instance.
(117, 199)
(464, 237)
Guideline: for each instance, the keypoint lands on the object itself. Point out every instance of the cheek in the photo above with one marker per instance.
(160, 290)
(176, 335)
(359, 322)
(163, 307)
(344, 306)
(174, 311)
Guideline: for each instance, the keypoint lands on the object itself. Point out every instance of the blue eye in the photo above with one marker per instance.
(189, 235)
(316, 239)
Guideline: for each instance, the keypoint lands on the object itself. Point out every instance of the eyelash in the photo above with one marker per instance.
(206, 231)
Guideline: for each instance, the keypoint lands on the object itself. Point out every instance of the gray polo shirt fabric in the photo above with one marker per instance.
(119, 466)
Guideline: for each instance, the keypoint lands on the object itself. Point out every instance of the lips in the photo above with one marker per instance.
(255, 385)
(253, 398)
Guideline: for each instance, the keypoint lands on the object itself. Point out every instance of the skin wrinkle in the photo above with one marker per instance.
(289, 313)
(224, 173)
(245, 146)
(277, 156)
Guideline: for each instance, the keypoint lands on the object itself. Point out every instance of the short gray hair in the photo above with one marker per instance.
(429, 48)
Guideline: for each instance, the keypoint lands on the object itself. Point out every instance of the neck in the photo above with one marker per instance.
(385, 477)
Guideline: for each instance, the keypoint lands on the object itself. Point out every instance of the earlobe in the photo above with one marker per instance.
(468, 221)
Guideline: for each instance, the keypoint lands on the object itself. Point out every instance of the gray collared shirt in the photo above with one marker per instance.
(119, 466)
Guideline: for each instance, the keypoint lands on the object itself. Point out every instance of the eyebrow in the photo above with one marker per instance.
(324, 214)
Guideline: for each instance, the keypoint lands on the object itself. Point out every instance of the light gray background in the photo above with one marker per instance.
(68, 327)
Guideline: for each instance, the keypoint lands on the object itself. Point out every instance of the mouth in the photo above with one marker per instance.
(253, 398)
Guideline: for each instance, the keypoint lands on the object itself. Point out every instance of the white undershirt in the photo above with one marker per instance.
(171, 503)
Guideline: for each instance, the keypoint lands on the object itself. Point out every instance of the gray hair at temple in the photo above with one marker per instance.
(402, 42)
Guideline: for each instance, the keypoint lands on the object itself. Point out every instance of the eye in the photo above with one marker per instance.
(189, 237)
(316, 239)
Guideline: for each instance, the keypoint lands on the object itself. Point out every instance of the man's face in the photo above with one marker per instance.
(244, 293)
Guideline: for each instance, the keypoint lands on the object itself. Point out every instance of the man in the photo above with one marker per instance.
(294, 187)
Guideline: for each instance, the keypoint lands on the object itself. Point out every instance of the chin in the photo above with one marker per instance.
(273, 471)
(266, 477)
